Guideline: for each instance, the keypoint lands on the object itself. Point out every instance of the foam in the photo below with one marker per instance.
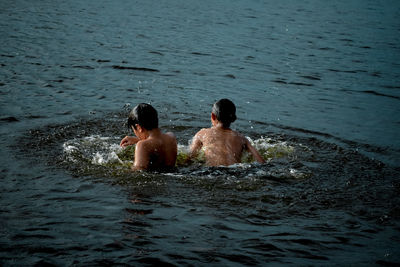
(97, 150)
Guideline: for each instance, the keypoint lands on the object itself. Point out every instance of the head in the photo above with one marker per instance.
(143, 115)
(224, 111)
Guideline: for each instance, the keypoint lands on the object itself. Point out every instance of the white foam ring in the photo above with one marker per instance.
(105, 151)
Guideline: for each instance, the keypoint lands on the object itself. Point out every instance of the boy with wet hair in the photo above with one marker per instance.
(222, 145)
(154, 150)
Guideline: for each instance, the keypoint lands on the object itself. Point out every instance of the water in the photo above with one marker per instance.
(316, 86)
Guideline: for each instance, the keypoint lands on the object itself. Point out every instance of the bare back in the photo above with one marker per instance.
(156, 152)
(222, 146)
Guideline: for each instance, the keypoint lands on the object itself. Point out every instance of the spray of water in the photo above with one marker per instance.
(105, 151)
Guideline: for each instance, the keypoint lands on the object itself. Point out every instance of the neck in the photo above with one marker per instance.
(153, 132)
(221, 126)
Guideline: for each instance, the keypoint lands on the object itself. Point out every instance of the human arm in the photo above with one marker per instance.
(142, 157)
(253, 151)
(196, 145)
(128, 141)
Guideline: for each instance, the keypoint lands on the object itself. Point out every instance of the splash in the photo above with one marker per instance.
(96, 150)
(270, 149)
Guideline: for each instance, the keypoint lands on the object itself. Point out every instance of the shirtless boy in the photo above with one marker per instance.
(154, 149)
(222, 146)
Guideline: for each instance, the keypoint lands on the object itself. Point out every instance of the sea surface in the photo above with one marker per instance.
(317, 90)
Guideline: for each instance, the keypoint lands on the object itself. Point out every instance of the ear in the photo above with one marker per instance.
(214, 120)
(139, 128)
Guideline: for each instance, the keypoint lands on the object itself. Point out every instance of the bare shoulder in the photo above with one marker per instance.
(170, 135)
(143, 147)
(240, 136)
(202, 133)
(170, 138)
(144, 143)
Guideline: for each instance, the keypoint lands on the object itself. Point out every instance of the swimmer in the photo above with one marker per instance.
(154, 149)
(222, 145)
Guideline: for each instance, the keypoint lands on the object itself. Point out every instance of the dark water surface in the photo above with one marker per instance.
(317, 89)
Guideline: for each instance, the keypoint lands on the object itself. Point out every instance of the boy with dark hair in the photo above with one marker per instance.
(154, 149)
(222, 145)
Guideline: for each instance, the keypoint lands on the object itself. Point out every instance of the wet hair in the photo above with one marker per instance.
(225, 111)
(144, 115)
